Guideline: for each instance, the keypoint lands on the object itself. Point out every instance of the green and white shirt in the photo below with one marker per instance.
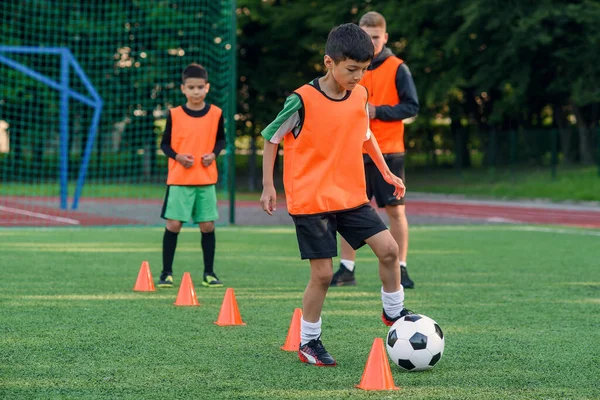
(291, 117)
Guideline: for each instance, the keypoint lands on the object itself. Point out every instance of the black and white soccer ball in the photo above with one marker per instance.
(415, 342)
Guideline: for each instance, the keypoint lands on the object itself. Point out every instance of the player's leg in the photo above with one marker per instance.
(385, 248)
(311, 349)
(204, 214)
(169, 246)
(364, 225)
(345, 275)
(392, 293)
(317, 242)
(399, 230)
(396, 211)
(176, 209)
(208, 241)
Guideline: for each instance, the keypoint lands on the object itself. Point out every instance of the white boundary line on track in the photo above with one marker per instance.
(69, 221)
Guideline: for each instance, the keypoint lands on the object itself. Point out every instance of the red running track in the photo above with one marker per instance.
(585, 218)
(13, 212)
(517, 214)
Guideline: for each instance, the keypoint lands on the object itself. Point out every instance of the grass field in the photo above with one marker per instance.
(519, 306)
(103, 190)
(571, 183)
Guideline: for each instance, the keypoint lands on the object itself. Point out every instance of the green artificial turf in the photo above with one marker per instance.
(519, 306)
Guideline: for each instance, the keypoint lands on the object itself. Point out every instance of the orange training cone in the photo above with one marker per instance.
(377, 374)
(292, 342)
(230, 314)
(144, 281)
(187, 294)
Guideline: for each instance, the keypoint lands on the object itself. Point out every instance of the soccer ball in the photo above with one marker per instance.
(415, 342)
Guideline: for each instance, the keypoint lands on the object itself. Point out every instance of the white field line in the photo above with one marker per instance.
(40, 215)
(555, 230)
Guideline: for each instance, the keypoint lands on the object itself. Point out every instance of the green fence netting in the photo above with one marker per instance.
(60, 62)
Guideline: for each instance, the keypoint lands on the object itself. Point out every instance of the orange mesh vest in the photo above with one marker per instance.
(323, 165)
(195, 136)
(381, 84)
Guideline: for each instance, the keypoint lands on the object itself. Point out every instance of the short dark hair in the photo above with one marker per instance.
(372, 19)
(349, 41)
(194, 71)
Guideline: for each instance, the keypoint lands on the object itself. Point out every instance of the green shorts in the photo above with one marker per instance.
(196, 202)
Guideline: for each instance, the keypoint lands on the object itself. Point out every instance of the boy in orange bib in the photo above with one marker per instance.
(193, 138)
(324, 126)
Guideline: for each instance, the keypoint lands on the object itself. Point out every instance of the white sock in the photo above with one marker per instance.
(403, 264)
(393, 303)
(309, 331)
(349, 264)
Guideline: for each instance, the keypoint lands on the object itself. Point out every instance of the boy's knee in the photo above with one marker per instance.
(174, 226)
(323, 278)
(396, 212)
(390, 252)
(207, 227)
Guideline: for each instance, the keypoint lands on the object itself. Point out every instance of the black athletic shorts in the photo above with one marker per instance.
(377, 186)
(317, 233)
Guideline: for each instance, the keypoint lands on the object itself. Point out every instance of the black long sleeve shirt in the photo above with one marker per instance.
(165, 144)
(407, 93)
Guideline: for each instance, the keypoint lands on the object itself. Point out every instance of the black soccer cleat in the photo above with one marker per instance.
(165, 281)
(210, 280)
(390, 321)
(314, 353)
(343, 277)
(405, 280)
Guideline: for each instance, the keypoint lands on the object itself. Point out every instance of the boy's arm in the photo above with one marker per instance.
(220, 141)
(165, 143)
(268, 199)
(407, 93)
(288, 120)
(207, 159)
(372, 148)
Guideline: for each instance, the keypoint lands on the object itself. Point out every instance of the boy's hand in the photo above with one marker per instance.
(187, 160)
(400, 189)
(371, 111)
(207, 159)
(268, 199)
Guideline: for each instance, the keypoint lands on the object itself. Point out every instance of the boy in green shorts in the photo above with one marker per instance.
(193, 137)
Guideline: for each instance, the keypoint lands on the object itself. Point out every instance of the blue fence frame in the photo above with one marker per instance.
(67, 60)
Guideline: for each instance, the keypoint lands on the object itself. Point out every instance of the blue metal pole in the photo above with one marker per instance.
(92, 132)
(87, 154)
(64, 129)
(32, 49)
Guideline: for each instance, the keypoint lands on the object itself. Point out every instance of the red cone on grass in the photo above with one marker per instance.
(144, 281)
(292, 342)
(230, 313)
(187, 294)
(377, 374)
